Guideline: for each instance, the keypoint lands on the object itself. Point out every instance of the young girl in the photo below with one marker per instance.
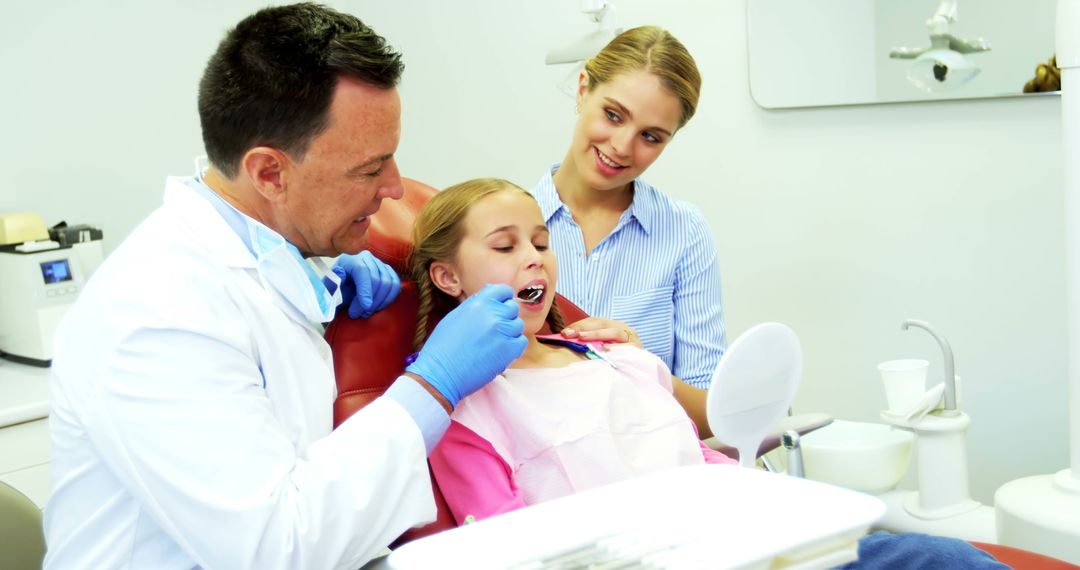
(556, 422)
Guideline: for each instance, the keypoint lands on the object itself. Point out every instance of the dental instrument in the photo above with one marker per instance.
(591, 349)
(790, 440)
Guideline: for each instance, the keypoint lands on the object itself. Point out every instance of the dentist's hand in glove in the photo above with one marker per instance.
(367, 284)
(471, 344)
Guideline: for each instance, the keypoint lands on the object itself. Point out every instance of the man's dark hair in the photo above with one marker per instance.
(272, 79)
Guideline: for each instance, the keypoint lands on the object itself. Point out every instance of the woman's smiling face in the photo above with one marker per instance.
(624, 125)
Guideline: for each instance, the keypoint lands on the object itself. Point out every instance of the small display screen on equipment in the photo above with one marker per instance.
(56, 271)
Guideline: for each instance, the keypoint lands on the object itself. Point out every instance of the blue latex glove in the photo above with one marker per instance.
(471, 344)
(367, 284)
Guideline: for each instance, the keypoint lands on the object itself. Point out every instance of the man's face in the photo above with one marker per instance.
(348, 169)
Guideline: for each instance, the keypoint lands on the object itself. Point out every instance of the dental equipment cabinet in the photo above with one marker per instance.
(24, 430)
(42, 271)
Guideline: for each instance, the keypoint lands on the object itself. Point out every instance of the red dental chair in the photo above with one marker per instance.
(369, 354)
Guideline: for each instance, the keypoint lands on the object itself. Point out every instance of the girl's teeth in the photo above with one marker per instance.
(531, 294)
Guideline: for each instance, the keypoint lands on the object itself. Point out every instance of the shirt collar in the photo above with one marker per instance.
(548, 197)
(227, 211)
(643, 208)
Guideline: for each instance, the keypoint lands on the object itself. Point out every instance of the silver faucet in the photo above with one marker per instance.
(950, 371)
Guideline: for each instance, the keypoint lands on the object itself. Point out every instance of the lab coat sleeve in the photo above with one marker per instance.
(185, 424)
(699, 325)
(473, 477)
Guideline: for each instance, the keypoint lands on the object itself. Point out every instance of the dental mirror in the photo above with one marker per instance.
(753, 386)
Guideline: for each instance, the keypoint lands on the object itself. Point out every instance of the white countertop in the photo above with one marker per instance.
(24, 393)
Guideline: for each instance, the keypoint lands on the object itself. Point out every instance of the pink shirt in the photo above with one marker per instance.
(536, 434)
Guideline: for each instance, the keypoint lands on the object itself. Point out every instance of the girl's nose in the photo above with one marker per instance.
(533, 258)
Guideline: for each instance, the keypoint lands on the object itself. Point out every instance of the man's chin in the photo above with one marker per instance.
(352, 246)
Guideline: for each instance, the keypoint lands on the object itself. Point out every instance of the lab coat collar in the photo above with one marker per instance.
(220, 240)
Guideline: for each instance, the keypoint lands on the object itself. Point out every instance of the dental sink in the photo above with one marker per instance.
(866, 457)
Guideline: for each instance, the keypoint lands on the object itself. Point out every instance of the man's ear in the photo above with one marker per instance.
(444, 277)
(265, 168)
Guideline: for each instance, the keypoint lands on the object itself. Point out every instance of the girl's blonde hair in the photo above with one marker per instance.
(655, 50)
(437, 233)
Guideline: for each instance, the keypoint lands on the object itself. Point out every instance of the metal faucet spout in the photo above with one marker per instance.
(946, 350)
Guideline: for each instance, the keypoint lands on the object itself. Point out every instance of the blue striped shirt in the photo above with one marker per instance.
(657, 271)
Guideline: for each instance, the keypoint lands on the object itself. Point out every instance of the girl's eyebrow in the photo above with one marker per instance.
(538, 228)
(499, 229)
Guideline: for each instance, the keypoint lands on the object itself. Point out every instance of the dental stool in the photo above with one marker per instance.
(22, 540)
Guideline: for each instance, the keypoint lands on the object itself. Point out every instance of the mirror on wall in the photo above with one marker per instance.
(809, 53)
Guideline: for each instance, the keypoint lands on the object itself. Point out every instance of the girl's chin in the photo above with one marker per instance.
(533, 324)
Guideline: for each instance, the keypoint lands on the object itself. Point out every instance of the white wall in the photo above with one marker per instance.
(838, 221)
(99, 103)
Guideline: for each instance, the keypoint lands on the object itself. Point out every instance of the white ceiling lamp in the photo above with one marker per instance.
(942, 66)
(603, 13)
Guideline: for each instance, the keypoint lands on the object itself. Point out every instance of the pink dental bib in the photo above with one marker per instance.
(563, 430)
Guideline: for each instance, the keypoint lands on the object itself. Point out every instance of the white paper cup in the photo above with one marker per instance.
(905, 383)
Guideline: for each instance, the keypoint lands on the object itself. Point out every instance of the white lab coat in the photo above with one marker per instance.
(191, 416)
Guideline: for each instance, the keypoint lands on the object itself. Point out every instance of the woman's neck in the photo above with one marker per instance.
(583, 199)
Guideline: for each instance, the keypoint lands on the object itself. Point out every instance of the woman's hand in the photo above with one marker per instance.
(594, 328)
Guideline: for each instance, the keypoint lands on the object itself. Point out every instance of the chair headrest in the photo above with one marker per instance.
(390, 234)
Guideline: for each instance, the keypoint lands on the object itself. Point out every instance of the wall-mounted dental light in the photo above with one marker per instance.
(603, 13)
(576, 52)
(942, 66)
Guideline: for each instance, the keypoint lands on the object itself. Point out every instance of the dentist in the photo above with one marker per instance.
(191, 398)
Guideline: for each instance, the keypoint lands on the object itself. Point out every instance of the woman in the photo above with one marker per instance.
(628, 251)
